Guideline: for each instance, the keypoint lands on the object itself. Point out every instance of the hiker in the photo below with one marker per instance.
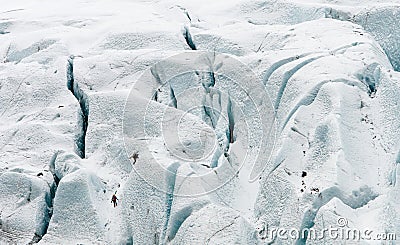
(135, 156)
(114, 200)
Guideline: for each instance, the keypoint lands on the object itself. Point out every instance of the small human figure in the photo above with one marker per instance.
(135, 156)
(114, 200)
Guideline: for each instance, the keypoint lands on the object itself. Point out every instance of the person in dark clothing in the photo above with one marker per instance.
(114, 200)
(135, 156)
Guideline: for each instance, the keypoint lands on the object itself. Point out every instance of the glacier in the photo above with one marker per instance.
(247, 116)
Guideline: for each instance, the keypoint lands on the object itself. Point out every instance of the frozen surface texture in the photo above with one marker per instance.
(214, 122)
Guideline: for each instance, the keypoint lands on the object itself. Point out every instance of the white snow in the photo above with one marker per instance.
(244, 114)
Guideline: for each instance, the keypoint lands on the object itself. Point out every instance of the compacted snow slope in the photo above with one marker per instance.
(247, 116)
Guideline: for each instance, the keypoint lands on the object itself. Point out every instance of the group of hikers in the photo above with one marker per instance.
(114, 197)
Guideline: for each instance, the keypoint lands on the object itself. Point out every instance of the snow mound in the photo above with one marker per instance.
(77, 204)
(227, 225)
(25, 203)
(382, 23)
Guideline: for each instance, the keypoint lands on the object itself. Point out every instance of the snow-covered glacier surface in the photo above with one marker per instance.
(253, 121)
